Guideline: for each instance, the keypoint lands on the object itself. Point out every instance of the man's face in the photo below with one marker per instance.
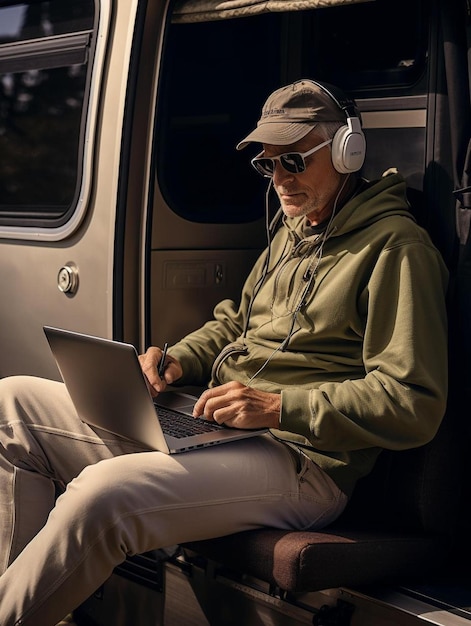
(312, 192)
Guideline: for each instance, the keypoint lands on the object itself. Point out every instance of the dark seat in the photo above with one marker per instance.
(398, 526)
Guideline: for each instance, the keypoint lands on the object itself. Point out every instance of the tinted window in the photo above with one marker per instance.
(217, 75)
(30, 20)
(43, 94)
(210, 97)
(370, 45)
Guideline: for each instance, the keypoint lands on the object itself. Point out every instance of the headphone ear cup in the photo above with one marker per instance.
(348, 149)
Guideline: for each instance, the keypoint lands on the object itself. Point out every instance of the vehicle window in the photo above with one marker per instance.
(390, 54)
(44, 77)
(32, 20)
(216, 76)
(209, 99)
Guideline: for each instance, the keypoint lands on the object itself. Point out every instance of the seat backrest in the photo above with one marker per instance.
(416, 490)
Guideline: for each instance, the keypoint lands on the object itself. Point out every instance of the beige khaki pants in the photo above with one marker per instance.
(121, 499)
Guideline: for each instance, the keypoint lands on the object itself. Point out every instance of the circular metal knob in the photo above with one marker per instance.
(67, 279)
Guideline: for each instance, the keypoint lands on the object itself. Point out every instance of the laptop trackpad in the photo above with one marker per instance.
(178, 401)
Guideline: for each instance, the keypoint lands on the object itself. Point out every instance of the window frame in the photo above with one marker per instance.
(53, 52)
(45, 53)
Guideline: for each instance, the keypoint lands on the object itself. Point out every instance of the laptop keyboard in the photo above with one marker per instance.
(180, 425)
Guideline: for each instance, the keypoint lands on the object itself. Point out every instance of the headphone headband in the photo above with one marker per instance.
(340, 98)
(348, 143)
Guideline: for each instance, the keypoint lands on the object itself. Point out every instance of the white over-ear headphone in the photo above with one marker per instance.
(348, 143)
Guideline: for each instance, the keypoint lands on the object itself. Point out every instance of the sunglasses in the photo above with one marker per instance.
(293, 162)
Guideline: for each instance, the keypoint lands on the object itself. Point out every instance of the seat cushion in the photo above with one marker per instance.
(311, 561)
(398, 525)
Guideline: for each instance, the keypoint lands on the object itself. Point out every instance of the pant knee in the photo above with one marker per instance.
(11, 388)
(26, 398)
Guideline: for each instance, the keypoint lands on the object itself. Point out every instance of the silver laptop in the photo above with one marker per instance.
(109, 391)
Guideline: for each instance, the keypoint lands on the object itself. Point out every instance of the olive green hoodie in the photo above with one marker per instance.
(348, 325)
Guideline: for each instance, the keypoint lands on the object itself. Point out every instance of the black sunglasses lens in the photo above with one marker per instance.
(293, 162)
(264, 166)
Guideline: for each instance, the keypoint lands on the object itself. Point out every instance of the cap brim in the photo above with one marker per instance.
(277, 134)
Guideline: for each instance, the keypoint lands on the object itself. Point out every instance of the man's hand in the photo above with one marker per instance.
(149, 364)
(238, 406)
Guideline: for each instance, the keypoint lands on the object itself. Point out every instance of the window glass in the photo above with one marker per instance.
(43, 98)
(210, 96)
(370, 45)
(217, 75)
(29, 20)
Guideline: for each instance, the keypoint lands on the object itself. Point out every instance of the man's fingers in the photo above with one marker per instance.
(215, 399)
(150, 361)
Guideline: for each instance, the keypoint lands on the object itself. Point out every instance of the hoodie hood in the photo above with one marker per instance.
(377, 200)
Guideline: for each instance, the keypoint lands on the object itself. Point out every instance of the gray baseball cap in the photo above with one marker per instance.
(291, 112)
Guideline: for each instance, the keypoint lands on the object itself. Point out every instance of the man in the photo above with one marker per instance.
(338, 346)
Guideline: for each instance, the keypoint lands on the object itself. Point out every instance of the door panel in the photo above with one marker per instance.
(186, 285)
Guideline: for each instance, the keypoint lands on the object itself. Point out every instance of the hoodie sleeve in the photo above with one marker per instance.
(400, 401)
